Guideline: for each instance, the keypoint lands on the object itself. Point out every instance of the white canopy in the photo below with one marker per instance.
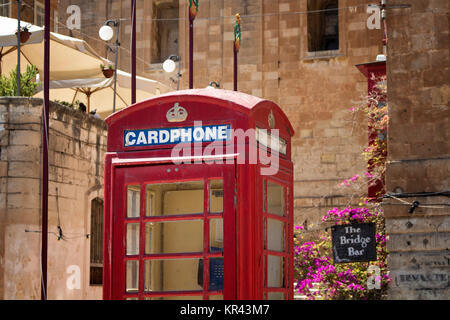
(98, 94)
(70, 58)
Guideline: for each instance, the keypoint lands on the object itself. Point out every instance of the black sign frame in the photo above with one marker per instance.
(354, 243)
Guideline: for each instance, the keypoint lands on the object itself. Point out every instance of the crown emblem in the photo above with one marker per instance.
(176, 114)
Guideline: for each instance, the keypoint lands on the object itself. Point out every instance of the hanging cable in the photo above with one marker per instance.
(415, 204)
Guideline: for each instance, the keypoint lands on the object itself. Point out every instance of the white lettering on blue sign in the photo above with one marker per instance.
(166, 136)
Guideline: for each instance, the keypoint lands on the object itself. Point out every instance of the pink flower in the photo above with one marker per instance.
(369, 175)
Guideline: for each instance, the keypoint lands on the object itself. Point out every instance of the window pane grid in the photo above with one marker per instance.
(137, 256)
(275, 211)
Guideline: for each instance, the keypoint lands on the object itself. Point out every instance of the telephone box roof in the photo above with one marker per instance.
(238, 101)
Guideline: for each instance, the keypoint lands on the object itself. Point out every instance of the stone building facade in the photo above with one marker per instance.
(32, 11)
(304, 62)
(76, 150)
(418, 168)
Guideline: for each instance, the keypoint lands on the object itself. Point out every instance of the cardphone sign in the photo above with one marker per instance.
(354, 243)
(163, 136)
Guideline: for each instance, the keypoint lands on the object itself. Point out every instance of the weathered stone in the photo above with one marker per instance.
(20, 197)
(419, 242)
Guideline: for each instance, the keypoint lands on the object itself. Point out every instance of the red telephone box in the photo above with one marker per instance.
(199, 199)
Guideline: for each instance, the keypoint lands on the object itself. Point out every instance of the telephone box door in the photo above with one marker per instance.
(174, 232)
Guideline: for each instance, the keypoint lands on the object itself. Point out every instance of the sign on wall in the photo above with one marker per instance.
(354, 243)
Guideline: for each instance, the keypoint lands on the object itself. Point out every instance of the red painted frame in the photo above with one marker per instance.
(283, 178)
(376, 69)
(143, 175)
(244, 273)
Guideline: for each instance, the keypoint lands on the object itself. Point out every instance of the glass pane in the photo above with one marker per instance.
(215, 235)
(216, 196)
(173, 275)
(275, 271)
(275, 296)
(133, 201)
(174, 237)
(133, 238)
(150, 204)
(132, 275)
(275, 235)
(275, 198)
(287, 203)
(174, 198)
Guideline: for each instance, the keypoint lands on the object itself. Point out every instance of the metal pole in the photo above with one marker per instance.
(179, 73)
(235, 70)
(191, 53)
(19, 4)
(116, 24)
(133, 52)
(45, 151)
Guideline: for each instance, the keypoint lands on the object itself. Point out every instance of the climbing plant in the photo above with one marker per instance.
(316, 274)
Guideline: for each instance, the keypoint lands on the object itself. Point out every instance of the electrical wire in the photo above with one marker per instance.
(354, 7)
(147, 64)
(418, 194)
(417, 204)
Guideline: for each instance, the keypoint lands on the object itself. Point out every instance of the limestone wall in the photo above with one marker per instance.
(418, 70)
(76, 147)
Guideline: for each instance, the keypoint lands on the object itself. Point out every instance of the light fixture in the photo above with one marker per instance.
(169, 66)
(106, 33)
(381, 57)
(213, 85)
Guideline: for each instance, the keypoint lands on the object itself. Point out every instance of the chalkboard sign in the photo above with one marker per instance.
(354, 243)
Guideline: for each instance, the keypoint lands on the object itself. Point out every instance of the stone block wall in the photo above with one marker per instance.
(77, 143)
(27, 13)
(315, 89)
(418, 70)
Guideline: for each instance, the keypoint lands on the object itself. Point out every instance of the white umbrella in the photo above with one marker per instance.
(70, 58)
(98, 94)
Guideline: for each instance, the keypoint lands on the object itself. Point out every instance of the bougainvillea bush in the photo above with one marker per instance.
(317, 276)
(314, 267)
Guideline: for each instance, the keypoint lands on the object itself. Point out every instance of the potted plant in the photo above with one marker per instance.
(108, 71)
(24, 33)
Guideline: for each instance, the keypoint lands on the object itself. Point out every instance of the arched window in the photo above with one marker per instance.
(323, 25)
(96, 236)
